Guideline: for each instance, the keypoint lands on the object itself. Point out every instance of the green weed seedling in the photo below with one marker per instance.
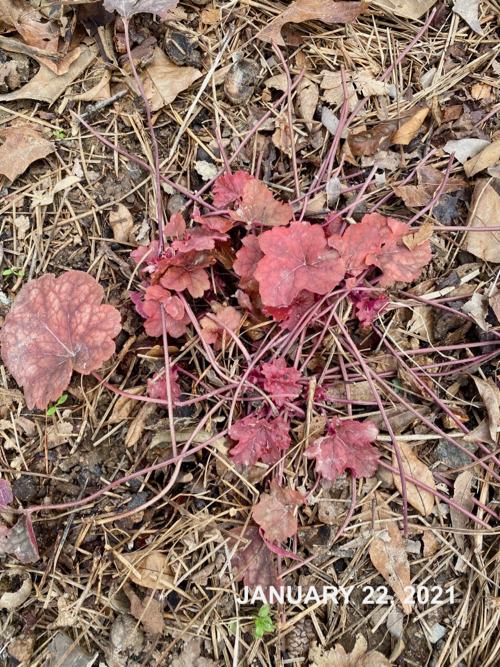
(53, 408)
(13, 272)
(263, 622)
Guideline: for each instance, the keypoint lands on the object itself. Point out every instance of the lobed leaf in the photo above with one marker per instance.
(281, 381)
(55, 326)
(259, 439)
(275, 512)
(128, 8)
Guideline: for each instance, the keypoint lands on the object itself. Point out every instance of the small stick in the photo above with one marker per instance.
(94, 108)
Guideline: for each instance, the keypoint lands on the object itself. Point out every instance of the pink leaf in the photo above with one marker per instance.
(157, 386)
(216, 223)
(176, 319)
(6, 496)
(20, 541)
(147, 254)
(275, 512)
(186, 271)
(377, 241)
(199, 238)
(55, 326)
(291, 315)
(252, 561)
(214, 333)
(128, 8)
(229, 188)
(347, 447)
(259, 207)
(281, 381)
(259, 439)
(247, 259)
(367, 309)
(296, 258)
(176, 226)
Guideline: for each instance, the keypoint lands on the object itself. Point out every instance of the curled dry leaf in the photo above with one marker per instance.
(55, 326)
(310, 10)
(388, 554)
(368, 142)
(22, 146)
(275, 512)
(420, 499)
(13, 599)
(150, 570)
(408, 130)
(148, 611)
(484, 211)
(462, 496)
(121, 222)
(136, 428)
(490, 394)
(338, 657)
(488, 157)
(464, 149)
(33, 27)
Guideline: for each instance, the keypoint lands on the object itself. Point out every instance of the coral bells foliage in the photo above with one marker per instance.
(259, 440)
(346, 447)
(276, 512)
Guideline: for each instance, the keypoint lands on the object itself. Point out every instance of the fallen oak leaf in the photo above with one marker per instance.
(338, 657)
(275, 512)
(484, 211)
(423, 234)
(346, 447)
(409, 9)
(489, 156)
(296, 258)
(259, 439)
(259, 207)
(310, 10)
(23, 145)
(55, 326)
(163, 80)
(490, 394)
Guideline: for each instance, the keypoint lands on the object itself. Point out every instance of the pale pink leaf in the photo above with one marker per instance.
(275, 512)
(281, 381)
(259, 439)
(6, 496)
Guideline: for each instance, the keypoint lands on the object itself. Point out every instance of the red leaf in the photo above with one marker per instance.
(19, 541)
(367, 309)
(186, 271)
(128, 8)
(216, 223)
(6, 496)
(157, 386)
(259, 207)
(229, 188)
(275, 512)
(281, 381)
(214, 333)
(147, 253)
(296, 258)
(290, 316)
(176, 226)
(176, 319)
(247, 258)
(199, 238)
(55, 326)
(347, 447)
(252, 561)
(259, 439)
(377, 241)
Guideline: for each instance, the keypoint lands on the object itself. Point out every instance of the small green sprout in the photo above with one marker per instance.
(263, 622)
(59, 133)
(13, 272)
(53, 408)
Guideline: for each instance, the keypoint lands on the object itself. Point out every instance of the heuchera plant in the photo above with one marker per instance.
(245, 260)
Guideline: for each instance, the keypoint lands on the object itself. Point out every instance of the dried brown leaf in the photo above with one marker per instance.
(420, 499)
(388, 554)
(308, 99)
(150, 570)
(408, 130)
(136, 428)
(409, 9)
(148, 611)
(163, 80)
(484, 211)
(23, 145)
(310, 10)
(424, 233)
(488, 157)
(462, 496)
(469, 11)
(338, 657)
(121, 222)
(490, 394)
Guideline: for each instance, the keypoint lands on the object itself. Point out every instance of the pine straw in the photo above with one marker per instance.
(80, 547)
